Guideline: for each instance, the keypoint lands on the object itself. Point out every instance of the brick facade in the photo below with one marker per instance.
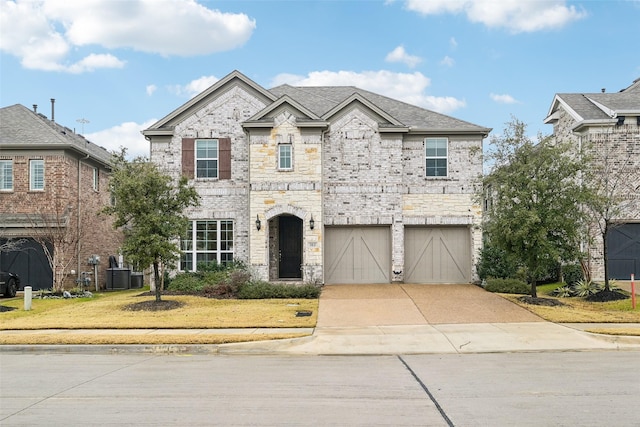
(68, 201)
(605, 127)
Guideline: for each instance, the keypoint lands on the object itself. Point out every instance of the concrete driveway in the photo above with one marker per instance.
(407, 304)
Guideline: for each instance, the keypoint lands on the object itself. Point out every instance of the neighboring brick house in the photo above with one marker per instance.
(53, 184)
(325, 184)
(607, 124)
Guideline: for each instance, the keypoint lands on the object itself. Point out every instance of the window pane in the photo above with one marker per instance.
(207, 158)
(6, 175)
(206, 248)
(207, 168)
(436, 156)
(284, 156)
(36, 177)
(186, 262)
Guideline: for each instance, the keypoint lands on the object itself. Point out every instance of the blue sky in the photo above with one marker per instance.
(120, 65)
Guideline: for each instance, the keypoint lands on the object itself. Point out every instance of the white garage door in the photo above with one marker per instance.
(357, 255)
(437, 255)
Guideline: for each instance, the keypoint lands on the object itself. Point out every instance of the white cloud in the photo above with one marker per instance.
(400, 55)
(194, 87)
(447, 61)
(44, 33)
(504, 99)
(151, 89)
(515, 15)
(124, 135)
(94, 61)
(453, 42)
(405, 87)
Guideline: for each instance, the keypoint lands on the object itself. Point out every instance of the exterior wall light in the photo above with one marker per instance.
(258, 223)
(312, 223)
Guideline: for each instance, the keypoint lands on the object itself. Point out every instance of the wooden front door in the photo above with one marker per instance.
(290, 247)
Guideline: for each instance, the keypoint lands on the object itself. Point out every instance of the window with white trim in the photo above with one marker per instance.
(285, 154)
(96, 179)
(206, 158)
(206, 241)
(436, 156)
(36, 175)
(6, 175)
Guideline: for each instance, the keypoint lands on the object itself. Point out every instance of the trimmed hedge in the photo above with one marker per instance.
(264, 290)
(507, 286)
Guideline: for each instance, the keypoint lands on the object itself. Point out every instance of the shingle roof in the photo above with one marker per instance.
(614, 103)
(321, 99)
(21, 128)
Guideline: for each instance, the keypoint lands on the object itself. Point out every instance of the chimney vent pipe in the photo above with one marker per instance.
(35, 108)
(53, 117)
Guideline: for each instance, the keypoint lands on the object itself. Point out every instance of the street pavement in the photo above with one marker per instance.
(390, 320)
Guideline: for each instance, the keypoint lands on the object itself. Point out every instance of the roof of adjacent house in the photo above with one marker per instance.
(598, 107)
(22, 128)
(323, 101)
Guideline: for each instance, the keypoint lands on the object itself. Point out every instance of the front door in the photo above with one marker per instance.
(290, 247)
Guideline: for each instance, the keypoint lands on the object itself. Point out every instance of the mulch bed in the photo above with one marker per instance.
(154, 305)
(604, 296)
(549, 302)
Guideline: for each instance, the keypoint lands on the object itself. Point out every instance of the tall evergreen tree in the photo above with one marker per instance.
(149, 206)
(535, 201)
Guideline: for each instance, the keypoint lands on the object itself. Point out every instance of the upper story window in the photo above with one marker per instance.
(436, 155)
(285, 152)
(6, 175)
(206, 158)
(96, 179)
(36, 175)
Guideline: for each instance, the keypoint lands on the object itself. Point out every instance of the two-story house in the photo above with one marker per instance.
(325, 184)
(53, 185)
(607, 126)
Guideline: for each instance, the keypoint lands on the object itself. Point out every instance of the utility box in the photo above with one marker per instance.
(137, 280)
(118, 278)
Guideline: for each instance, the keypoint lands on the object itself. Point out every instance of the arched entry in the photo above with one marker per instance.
(285, 258)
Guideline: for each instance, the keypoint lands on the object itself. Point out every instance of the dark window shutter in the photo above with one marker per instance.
(188, 157)
(224, 158)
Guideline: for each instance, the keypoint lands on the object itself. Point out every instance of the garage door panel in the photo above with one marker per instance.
(437, 255)
(357, 255)
(624, 251)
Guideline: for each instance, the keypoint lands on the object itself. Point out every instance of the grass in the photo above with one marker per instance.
(577, 310)
(107, 311)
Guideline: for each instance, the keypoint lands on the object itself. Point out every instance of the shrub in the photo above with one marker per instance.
(507, 286)
(494, 262)
(195, 282)
(584, 288)
(264, 290)
(572, 274)
(562, 292)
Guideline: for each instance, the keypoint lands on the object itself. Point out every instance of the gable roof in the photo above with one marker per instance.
(318, 103)
(22, 128)
(597, 108)
(324, 100)
(166, 125)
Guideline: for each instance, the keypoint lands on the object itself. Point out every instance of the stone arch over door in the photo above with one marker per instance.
(285, 224)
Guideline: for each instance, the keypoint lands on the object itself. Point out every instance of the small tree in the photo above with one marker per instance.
(149, 206)
(534, 214)
(58, 232)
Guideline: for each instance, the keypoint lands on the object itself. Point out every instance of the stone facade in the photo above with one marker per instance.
(351, 166)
